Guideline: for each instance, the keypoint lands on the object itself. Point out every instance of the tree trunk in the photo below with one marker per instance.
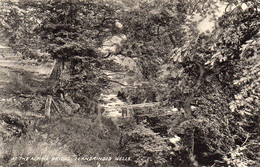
(189, 99)
(48, 107)
(99, 117)
(187, 107)
(55, 76)
(57, 70)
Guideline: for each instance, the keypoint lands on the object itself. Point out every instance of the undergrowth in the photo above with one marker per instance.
(62, 141)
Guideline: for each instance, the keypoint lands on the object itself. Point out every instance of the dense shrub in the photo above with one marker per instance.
(146, 147)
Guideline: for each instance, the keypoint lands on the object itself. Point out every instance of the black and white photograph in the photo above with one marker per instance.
(129, 83)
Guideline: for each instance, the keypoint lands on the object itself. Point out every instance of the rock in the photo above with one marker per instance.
(65, 107)
(12, 125)
(74, 106)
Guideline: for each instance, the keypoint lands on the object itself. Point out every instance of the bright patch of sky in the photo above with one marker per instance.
(207, 24)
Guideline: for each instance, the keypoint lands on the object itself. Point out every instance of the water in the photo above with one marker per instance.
(112, 105)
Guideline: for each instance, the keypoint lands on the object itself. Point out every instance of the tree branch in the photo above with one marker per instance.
(188, 100)
(171, 39)
(158, 33)
(116, 82)
(194, 8)
(107, 56)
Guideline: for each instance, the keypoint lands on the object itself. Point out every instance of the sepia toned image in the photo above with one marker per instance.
(129, 83)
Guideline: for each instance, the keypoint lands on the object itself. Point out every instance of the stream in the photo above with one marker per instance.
(112, 105)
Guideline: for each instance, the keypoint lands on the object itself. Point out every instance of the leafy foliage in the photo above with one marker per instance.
(152, 29)
(71, 32)
(206, 71)
(143, 143)
(247, 78)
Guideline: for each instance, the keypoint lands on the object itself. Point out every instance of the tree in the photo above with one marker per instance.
(152, 30)
(200, 71)
(207, 66)
(71, 32)
(215, 55)
(17, 25)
